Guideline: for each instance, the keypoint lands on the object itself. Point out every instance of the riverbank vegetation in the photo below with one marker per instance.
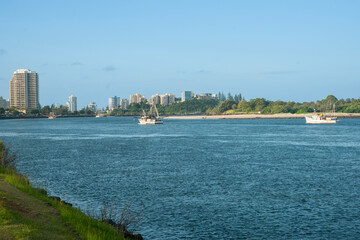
(261, 105)
(222, 105)
(238, 105)
(27, 212)
(61, 111)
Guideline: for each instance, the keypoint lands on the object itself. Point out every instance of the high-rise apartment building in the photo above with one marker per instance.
(167, 99)
(185, 95)
(137, 98)
(124, 103)
(155, 99)
(114, 102)
(24, 89)
(72, 103)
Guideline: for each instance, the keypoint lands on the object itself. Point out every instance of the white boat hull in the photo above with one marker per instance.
(317, 120)
(149, 122)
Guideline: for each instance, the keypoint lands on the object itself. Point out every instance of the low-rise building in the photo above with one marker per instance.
(206, 96)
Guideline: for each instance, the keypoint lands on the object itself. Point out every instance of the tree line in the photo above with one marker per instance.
(221, 105)
(45, 111)
(261, 105)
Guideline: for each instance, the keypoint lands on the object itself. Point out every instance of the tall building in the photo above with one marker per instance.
(167, 99)
(24, 89)
(72, 103)
(185, 95)
(137, 98)
(114, 102)
(4, 103)
(124, 103)
(155, 99)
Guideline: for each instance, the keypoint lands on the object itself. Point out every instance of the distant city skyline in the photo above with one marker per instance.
(278, 50)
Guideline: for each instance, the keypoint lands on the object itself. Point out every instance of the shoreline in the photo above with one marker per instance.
(261, 116)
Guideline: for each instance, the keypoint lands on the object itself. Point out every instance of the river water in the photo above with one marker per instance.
(201, 179)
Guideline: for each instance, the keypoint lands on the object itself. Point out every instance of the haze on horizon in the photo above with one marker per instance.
(279, 50)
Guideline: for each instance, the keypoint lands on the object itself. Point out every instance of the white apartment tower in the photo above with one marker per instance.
(72, 103)
(114, 102)
(24, 89)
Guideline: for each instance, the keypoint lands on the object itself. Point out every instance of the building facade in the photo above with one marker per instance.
(124, 103)
(156, 99)
(206, 96)
(137, 98)
(114, 102)
(167, 99)
(185, 95)
(72, 103)
(24, 89)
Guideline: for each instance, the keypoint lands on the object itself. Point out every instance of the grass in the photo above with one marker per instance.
(28, 213)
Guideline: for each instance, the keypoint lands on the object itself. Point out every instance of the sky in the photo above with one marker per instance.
(295, 50)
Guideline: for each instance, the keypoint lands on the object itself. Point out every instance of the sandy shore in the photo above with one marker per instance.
(261, 116)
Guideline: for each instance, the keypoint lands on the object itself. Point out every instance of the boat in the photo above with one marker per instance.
(99, 114)
(319, 118)
(151, 118)
(52, 115)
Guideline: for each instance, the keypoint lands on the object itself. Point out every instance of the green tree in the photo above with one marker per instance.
(226, 105)
(34, 112)
(243, 106)
(13, 111)
(230, 97)
(6, 159)
(258, 104)
(45, 110)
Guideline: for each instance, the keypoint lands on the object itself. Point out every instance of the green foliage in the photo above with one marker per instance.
(7, 160)
(272, 107)
(45, 110)
(62, 110)
(191, 106)
(34, 112)
(87, 227)
(13, 112)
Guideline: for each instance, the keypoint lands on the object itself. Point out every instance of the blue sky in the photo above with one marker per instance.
(279, 50)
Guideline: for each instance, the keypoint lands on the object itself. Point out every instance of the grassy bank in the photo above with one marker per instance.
(27, 212)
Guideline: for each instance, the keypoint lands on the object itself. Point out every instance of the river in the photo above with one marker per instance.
(201, 179)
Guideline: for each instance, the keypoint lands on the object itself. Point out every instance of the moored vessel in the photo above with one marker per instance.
(151, 118)
(319, 118)
(52, 115)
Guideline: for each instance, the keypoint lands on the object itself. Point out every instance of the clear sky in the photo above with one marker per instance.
(280, 50)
